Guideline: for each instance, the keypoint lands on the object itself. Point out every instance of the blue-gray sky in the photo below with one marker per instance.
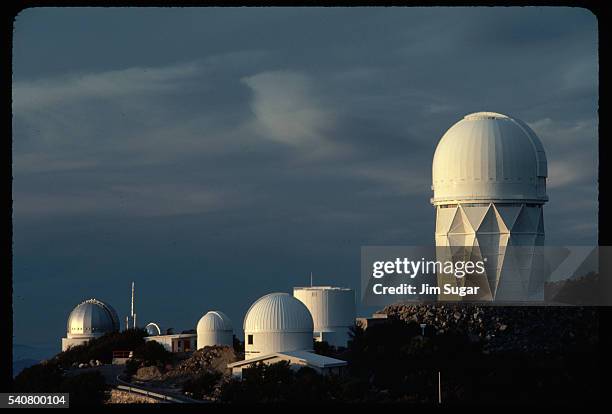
(215, 155)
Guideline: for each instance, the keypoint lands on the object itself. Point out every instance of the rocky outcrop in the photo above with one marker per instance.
(506, 328)
(210, 358)
(213, 358)
(147, 374)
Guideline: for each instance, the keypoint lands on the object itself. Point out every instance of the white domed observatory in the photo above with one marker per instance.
(215, 328)
(332, 309)
(489, 183)
(277, 322)
(153, 329)
(89, 319)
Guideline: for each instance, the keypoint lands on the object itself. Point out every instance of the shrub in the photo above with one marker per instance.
(260, 383)
(203, 384)
(152, 353)
(323, 348)
(238, 345)
(131, 367)
(102, 348)
(278, 382)
(44, 377)
(88, 388)
(85, 389)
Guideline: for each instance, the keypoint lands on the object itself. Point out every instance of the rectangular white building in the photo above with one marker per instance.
(176, 342)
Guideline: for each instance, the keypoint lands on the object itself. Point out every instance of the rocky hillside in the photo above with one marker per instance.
(516, 328)
(207, 359)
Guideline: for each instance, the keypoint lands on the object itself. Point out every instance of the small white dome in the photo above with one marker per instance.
(489, 156)
(215, 328)
(92, 318)
(278, 312)
(214, 321)
(153, 329)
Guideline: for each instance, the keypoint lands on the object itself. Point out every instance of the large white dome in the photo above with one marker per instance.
(489, 156)
(277, 322)
(278, 312)
(92, 318)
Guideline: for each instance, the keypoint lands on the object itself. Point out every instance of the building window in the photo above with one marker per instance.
(250, 339)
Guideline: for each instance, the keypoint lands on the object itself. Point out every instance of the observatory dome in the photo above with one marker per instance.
(277, 322)
(489, 156)
(92, 318)
(153, 329)
(215, 328)
(215, 321)
(278, 312)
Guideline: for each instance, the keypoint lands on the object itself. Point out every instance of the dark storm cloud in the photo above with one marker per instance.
(214, 155)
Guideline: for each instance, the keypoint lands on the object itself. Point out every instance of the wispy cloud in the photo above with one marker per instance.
(287, 111)
(124, 200)
(568, 166)
(42, 93)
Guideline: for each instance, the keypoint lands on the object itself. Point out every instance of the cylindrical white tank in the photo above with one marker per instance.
(489, 182)
(332, 309)
(277, 322)
(215, 328)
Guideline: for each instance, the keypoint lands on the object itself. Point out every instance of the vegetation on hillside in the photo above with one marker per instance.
(394, 362)
(102, 348)
(87, 388)
(279, 383)
(149, 353)
(202, 385)
(493, 355)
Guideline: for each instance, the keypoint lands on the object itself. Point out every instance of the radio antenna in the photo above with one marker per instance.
(132, 313)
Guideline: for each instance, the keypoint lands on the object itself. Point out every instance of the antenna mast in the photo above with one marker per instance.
(132, 313)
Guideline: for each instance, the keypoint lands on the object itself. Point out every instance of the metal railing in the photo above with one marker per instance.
(122, 354)
(126, 386)
(165, 398)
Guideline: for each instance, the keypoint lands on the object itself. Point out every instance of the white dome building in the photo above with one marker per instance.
(332, 309)
(277, 322)
(489, 183)
(89, 319)
(153, 329)
(215, 328)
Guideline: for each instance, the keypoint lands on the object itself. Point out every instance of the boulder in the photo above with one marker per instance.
(147, 373)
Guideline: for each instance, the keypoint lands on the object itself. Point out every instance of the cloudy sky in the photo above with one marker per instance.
(215, 155)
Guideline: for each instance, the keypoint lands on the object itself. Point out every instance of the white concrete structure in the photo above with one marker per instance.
(89, 319)
(175, 342)
(332, 309)
(277, 322)
(215, 328)
(489, 182)
(297, 359)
